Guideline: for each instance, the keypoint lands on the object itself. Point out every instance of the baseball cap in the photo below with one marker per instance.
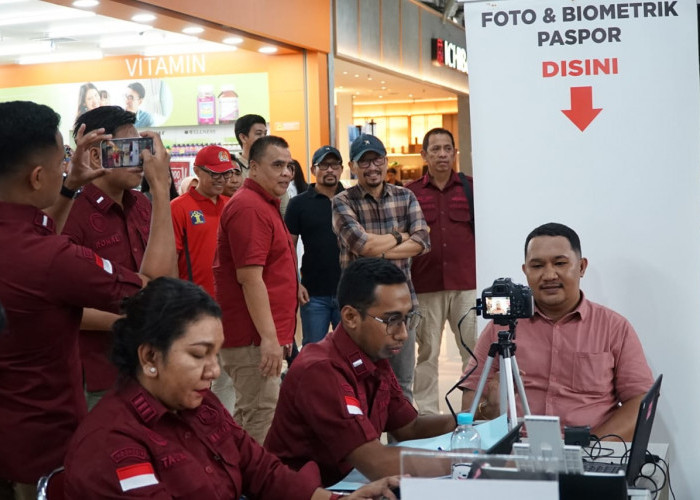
(324, 151)
(215, 158)
(365, 143)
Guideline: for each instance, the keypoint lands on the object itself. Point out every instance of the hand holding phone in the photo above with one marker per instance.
(118, 153)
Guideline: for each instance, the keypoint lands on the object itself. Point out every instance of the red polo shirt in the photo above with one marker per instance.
(196, 220)
(334, 399)
(451, 263)
(252, 233)
(120, 235)
(45, 281)
(194, 454)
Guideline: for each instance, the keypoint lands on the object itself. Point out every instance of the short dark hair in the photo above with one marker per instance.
(157, 315)
(556, 229)
(257, 150)
(108, 117)
(245, 123)
(27, 129)
(436, 131)
(138, 88)
(358, 283)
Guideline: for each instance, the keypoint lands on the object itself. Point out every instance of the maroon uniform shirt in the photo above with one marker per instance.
(334, 399)
(45, 281)
(117, 234)
(131, 445)
(252, 233)
(451, 263)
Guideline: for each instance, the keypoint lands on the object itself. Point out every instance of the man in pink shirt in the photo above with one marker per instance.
(578, 360)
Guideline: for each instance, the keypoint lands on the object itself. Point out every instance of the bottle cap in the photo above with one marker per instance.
(465, 419)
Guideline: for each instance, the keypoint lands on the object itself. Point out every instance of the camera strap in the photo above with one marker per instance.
(469, 193)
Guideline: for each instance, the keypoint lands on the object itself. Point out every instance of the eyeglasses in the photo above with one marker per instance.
(130, 98)
(377, 162)
(216, 175)
(280, 166)
(393, 323)
(326, 166)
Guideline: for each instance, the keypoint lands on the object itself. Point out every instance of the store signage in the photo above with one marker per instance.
(445, 53)
(154, 67)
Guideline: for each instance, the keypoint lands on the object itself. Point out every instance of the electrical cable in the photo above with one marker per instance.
(466, 375)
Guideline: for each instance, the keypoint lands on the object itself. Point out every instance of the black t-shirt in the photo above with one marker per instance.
(309, 215)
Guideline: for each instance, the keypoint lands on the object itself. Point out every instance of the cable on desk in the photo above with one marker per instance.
(668, 476)
(609, 452)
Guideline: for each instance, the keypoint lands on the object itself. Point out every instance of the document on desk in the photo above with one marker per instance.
(491, 432)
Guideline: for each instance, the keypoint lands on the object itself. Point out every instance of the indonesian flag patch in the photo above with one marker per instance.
(104, 264)
(353, 406)
(136, 476)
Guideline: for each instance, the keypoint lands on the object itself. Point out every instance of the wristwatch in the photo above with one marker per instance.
(69, 193)
(398, 237)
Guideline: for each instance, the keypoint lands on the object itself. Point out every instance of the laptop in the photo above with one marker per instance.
(640, 440)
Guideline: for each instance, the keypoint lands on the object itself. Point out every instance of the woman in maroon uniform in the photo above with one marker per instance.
(161, 433)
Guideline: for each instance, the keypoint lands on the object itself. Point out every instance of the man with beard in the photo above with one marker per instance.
(309, 216)
(377, 219)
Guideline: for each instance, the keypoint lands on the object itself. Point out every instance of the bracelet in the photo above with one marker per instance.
(71, 194)
(480, 408)
(397, 235)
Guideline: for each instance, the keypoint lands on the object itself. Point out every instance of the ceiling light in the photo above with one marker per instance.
(268, 49)
(61, 57)
(143, 18)
(29, 17)
(232, 40)
(382, 82)
(193, 30)
(357, 76)
(345, 72)
(85, 4)
(383, 87)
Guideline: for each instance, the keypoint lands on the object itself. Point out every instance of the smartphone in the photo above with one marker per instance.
(118, 153)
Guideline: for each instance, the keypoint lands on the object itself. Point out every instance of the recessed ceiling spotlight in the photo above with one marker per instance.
(193, 30)
(268, 49)
(381, 96)
(340, 87)
(382, 82)
(345, 72)
(143, 18)
(410, 95)
(85, 4)
(383, 87)
(232, 40)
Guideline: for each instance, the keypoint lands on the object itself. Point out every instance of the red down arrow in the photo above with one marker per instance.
(582, 112)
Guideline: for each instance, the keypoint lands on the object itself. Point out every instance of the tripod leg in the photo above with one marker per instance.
(510, 393)
(482, 382)
(521, 388)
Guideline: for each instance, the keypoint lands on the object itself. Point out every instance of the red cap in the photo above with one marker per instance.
(215, 158)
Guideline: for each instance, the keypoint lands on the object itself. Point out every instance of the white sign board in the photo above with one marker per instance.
(415, 488)
(588, 113)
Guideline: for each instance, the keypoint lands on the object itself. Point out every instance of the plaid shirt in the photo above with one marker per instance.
(356, 213)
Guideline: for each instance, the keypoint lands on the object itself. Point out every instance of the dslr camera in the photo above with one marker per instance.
(505, 301)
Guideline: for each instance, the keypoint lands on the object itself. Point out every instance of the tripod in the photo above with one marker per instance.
(508, 373)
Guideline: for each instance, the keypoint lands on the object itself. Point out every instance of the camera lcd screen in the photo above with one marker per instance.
(119, 153)
(497, 306)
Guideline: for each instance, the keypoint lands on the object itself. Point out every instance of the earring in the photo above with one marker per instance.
(152, 369)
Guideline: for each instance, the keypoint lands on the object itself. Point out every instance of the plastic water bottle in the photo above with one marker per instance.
(465, 438)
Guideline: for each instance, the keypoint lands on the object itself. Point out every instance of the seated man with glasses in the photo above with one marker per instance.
(196, 216)
(341, 393)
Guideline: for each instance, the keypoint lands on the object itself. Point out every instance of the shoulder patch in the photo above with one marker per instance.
(353, 406)
(197, 217)
(136, 476)
(124, 453)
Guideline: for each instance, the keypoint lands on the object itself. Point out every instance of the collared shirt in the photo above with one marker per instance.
(252, 233)
(578, 368)
(198, 217)
(309, 216)
(450, 264)
(45, 281)
(119, 235)
(357, 213)
(334, 399)
(193, 454)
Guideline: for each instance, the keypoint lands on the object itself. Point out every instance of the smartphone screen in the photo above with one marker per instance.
(118, 153)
